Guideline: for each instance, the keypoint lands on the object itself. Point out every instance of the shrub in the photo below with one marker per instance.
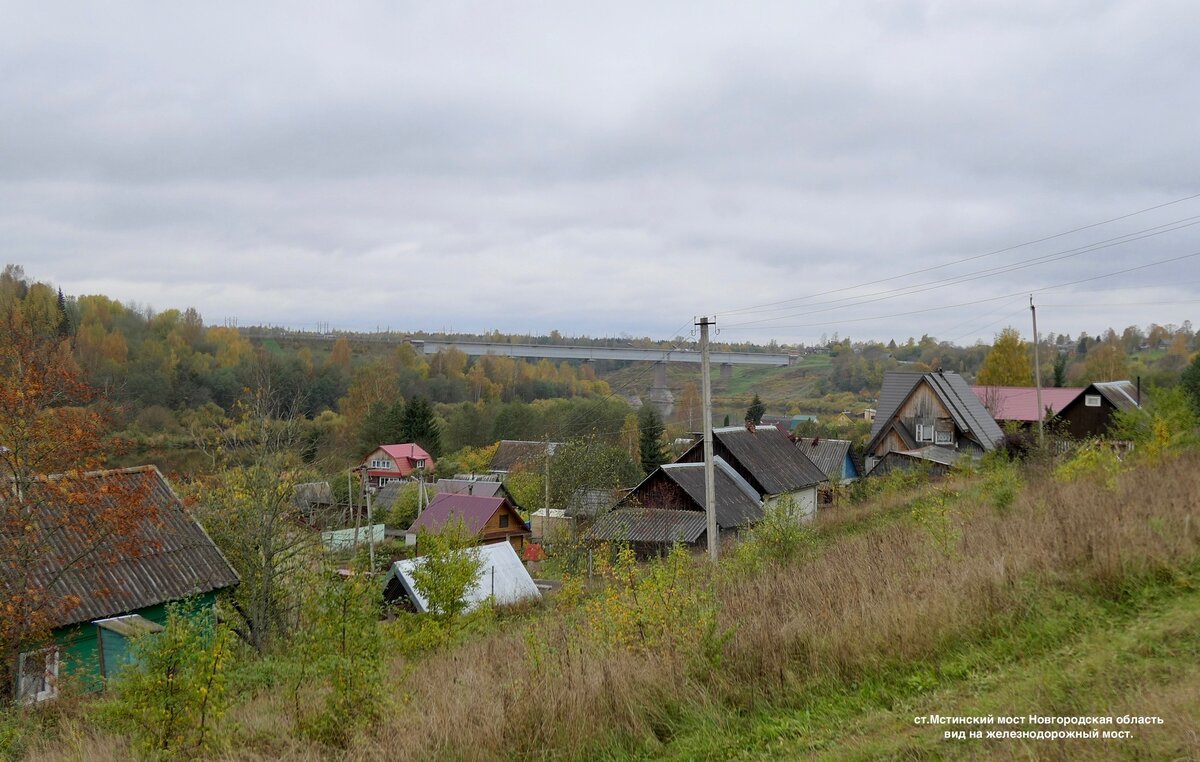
(170, 700)
(448, 569)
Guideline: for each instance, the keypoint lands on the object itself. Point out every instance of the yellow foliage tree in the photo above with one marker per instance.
(1008, 364)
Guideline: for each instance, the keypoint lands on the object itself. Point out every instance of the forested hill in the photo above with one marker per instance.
(175, 377)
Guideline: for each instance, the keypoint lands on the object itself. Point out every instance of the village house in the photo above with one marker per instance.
(1018, 405)
(667, 507)
(1092, 413)
(492, 519)
(396, 462)
(120, 594)
(928, 418)
(833, 457)
(766, 458)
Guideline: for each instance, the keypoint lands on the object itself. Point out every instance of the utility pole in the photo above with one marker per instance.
(370, 522)
(710, 499)
(546, 491)
(1037, 376)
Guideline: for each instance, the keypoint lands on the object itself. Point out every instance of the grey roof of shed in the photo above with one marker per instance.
(769, 456)
(387, 496)
(511, 452)
(175, 557)
(482, 487)
(648, 525)
(964, 406)
(829, 455)
(306, 496)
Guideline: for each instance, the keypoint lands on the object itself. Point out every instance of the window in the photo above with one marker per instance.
(381, 464)
(38, 675)
(924, 432)
(419, 463)
(1091, 400)
(943, 437)
(503, 520)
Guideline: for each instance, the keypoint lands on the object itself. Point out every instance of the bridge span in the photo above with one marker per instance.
(560, 352)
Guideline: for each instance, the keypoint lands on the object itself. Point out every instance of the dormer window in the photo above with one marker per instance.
(924, 432)
(419, 463)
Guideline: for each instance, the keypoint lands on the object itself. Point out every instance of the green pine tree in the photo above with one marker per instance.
(756, 410)
(650, 425)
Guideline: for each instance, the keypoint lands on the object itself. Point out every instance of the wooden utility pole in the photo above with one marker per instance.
(1037, 376)
(370, 522)
(546, 491)
(710, 500)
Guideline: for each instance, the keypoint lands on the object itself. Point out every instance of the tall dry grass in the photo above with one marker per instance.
(897, 593)
(888, 596)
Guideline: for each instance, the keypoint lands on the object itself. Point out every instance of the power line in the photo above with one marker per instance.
(987, 273)
(986, 300)
(967, 259)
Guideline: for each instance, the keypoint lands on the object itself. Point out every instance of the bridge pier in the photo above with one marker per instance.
(726, 374)
(660, 394)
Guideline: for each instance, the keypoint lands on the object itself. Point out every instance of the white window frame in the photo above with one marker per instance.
(47, 688)
(938, 437)
(922, 428)
(1091, 400)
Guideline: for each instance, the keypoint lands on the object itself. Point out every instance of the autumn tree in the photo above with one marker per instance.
(53, 521)
(248, 510)
(1106, 363)
(689, 406)
(339, 356)
(1008, 364)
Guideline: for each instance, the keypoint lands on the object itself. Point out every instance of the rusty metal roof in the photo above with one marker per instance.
(172, 558)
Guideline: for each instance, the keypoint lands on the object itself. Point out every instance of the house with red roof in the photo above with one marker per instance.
(396, 462)
(493, 519)
(1019, 404)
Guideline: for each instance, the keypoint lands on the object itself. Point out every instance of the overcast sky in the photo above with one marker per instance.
(608, 168)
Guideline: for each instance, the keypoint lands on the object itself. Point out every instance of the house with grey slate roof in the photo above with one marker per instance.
(931, 417)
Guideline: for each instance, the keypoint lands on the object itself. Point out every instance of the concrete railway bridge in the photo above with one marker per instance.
(659, 393)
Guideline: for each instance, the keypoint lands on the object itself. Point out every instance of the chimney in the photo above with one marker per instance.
(750, 425)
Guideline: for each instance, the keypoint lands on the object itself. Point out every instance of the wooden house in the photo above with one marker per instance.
(921, 410)
(1092, 413)
(766, 458)
(1018, 405)
(120, 588)
(493, 519)
(396, 462)
(834, 457)
(667, 507)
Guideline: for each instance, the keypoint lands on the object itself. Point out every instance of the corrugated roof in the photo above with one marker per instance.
(407, 450)
(648, 525)
(1019, 403)
(1122, 394)
(896, 386)
(311, 494)
(502, 576)
(481, 487)
(828, 455)
(964, 407)
(474, 510)
(766, 455)
(511, 452)
(738, 503)
(175, 558)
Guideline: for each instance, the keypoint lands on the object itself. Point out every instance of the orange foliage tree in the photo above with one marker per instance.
(53, 520)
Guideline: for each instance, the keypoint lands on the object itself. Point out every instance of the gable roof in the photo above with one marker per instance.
(408, 451)
(646, 525)
(1019, 403)
(474, 510)
(828, 455)
(501, 575)
(311, 494)
(175, 557)
(510, 452)
(767, 455)
(737, 503)
(482, 487)
(967, 412)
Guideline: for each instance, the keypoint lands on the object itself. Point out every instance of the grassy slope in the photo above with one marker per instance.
(1073, 656)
